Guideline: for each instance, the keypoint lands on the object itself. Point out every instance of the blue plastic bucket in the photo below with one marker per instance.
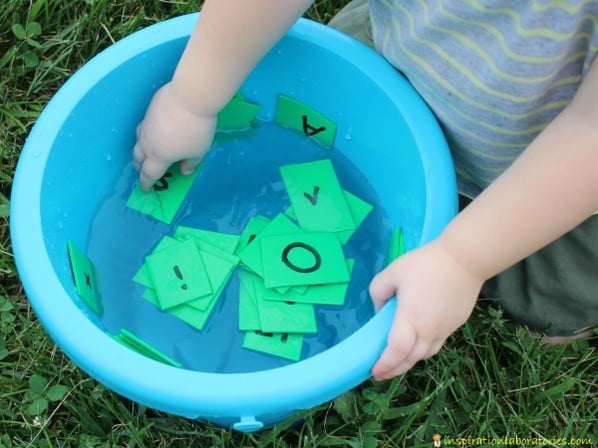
(61, 179)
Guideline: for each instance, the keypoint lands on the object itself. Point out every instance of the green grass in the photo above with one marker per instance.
(491, 379)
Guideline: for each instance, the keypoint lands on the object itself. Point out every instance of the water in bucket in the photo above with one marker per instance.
(239, 179)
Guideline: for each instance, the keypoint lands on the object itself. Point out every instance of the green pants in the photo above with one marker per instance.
(555, 290)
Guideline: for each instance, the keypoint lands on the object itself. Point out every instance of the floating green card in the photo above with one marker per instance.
(143, 276)
(251, 255)
(283, 317)
(359, 211)
(305, 258)
(302, 118)
(255, 225)
(165, 197)
(85, 278)
(331, 294)
(135, 343)
(238, 114)
(178, 274)
(284, 345)
(192, 316)
(397, 246)
(219, 271)
(225, 241)
(249, 318)
(316, 196)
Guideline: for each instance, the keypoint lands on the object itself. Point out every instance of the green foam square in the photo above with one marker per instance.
(360, 209)
(140, 346)
(178, 274)
(251, 255)
(255, 225)
(238, 114)
(305, 258)
(219, 271)
(330, 294)
(225, 241)
(85, 278)
(316, 196)
(283, 345)
(149, 294)
(249, 318)
(300, 117)
(143, 276)
(192, 316)
(397, 246)
(165, 197)
(283, 316)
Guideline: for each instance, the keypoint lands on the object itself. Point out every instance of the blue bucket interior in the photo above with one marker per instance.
(83, 140)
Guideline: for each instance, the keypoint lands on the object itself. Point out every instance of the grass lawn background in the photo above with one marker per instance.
(492, 379)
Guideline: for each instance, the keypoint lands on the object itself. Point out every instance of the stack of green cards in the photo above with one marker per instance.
(186, 274)
(292, 267)
(138, 345)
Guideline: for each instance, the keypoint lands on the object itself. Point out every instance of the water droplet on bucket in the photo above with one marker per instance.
(108, 157)
(60, 225)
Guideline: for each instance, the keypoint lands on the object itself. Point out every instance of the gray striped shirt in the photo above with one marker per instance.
(495, 73)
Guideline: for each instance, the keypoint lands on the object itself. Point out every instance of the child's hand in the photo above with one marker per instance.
(436, 295)
(169, 133)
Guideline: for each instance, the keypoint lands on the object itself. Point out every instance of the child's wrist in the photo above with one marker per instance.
(192, 102)
(451, 242)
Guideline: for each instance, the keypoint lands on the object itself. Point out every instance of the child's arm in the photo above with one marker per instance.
(551, 188)
(231, 36)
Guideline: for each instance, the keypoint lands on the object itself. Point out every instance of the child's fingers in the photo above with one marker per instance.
(401, 341)
(383, 287)
(138, 156)
(188, 165)
(151, 170)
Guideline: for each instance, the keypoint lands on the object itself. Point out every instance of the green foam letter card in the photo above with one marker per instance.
(308, 258)
(165, 197)
(317, 198)
(224, 241)
(397, 246)
(238, 114)
(330, 294)
(249, 318)
(178, 274)
(219, 271)
(281, 316)
(283, 345)
(302, 118)
(251, 255)
(251, 230)
(85, 278)
(359, 211)
(140, 346)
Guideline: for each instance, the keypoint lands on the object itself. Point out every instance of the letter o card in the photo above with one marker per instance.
(303, 259)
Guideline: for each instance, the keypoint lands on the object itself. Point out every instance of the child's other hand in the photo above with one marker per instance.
(169, 133)
(436, 295)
